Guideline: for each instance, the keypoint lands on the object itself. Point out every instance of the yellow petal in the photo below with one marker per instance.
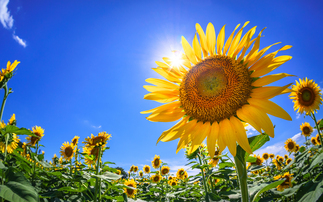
(246, 116)
(167, 75)
(186, 137)
(270, 79)
(268, 92)
(155, 88)
(202, 39)
(220, 41)
(198, 139)
(210, 38)
(241, 134)
(255, 61)
(229, 40)
(212, 137)
(161, 96)
(188, 51)
(180, 131)
(170, 132)
(166, 116)
(244, 43)
(236, 40)
(171, 105)
(161, 64)
(197, 48)
(226, 132)
(270, 108)
(162, 83)
(255, 47)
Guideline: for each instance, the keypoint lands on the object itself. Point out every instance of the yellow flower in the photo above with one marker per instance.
(265, 156)
(297, 148)
(39, 132)
(10, 67)
(281, 159)
(100, 139)
(55, 159)
(172, 182)
(214, 161)
(170, 177)
(156, 162)
(67, 151)
(181, 173)
(288, 161)
(12, 120)
(306, 129)
(313, 140)
(220, 85)
(141, 173)
(318, 141)
(91, 151)
(135, 169)
(146, 169)
(155, 178)
(290, 145)
(130, 192)
(277, 164)
(272, 156)
(119, 172)
(165, 170)
(13, 141)
(287, 183)
(286, 156)
(75, 140)
(258, 161)
(306, 96)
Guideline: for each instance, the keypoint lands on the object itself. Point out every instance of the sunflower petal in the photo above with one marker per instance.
(210, 38)
(188, 51)
(171, 105)
(241, 134)
(245, 115)
(270, 79)
(236, 40)
(171, 131)
(229, 40)
(220, 40)
(198, 139)
(212, 137)
(202, 39)
(227, 134)
(197, 48)
(181, 131)
(173, 115)
(268, 92)
(162, 83)
(167, 75)
(244, 43)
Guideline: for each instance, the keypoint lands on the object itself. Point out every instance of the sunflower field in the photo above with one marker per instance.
(214, 89)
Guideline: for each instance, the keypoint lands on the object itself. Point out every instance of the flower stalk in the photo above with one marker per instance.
(242, 175)
(6, 93)
(97, 181)
(204, 181)
(317, 128)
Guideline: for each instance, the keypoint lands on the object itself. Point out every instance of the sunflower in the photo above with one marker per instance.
(290, 145)
(146, 169)
(172, 182)
(130, 192)
(131, 168)
(55, 159)
(12, 120)
(277, 164)
(141, 173)
(170, 177)
(67, 151)
(272, 156)
(215, 159)
(258, 161)
(318, 141)
(306, 129)
(280, 159)
(75, 140)
(286, 156)
(119, 172)
(156, 178)
(135, 169)
(13, 141)
(156, 162)
(91, 151)
(100, 139)
(297, 148)
(318, 123)
(39, 132)
(10, 68)
(165, 170)
(181, 173)
(288, 161)
(217, 90)
(313, 140)
(306, 95)
(287, 183)
(265, 156)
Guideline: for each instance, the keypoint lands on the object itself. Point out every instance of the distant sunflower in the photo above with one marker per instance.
(130, 192)
(91, 151)
(290, 145)
(39, 132)
(170, 177)
(287, 183)
(214, 161)
(258, 161)
(181, 173)
(172, 182)
(306, 129)
(75, 140)
(313, 140)
(131, 168)
(281, 159)
(165, 170)
(272, 156)
(12, 120)
(135, 169)
(297, 148)
(277, 164)
(156, 178)
(286, 156)
(99, 140)
(221, 84)
(146, 169)
(306, 96)
(13, 141)
(141, 173)
(288, 161)
(156, 162)
(119, 172)
(265, 156)
(10, 67)
(67, 151)
(55, 159)
(318, 141)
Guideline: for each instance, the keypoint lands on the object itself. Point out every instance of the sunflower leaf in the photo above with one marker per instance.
(262, 188)
(257, 141)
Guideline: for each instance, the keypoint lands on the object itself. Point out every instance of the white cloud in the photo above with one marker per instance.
(86, 122)
(178, 163)
(96, 127)
(250, 130)
(277, 149)
(298, 115)
(297, 137)
(5, 17)
(19, 40)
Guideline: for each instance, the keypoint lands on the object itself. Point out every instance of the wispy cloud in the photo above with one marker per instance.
(277, 149)
(7, 20)
(298, 115)
(19, 40)
(297, 137)
(86, 122)
(250, 130)
(5, 17)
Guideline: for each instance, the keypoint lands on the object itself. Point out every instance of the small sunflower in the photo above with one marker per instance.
(67, 151)
(220, 85)
(297, 148)
(39, 132)
(290, 145)
(55, 159)
(313, 140)
(99, 140)
(181, 173)
(272, 156)
(280, 159)
(156, 162)
(286, 156)
(306, 96)
(146, 169)
(318, 140)
(131, 168)
(288, 161)
(214, 161)
(287, 183)
(306, 129)
(119, 172)
(141, 173)
(318, 123)
(10, 68)
(277, 164)
(75, 140)
(135, 169)
(265, 156)
(130, 192)
(258, 161)
(12, 120)
(91, 151)
(172, 182)
(170, 177)
(165, 170)
(156, 178)
(13, 141)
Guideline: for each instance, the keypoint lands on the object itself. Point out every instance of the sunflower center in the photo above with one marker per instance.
(307, 97)
(156, 162)
(69, 151)
(290, 145)
(130, 191)
(258, 161)
(215, 89)
(265, 156)
(156, 179)
(306, 130)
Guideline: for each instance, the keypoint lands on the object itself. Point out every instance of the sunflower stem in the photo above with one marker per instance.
(242, 175)
(204, 182)
(97, 179)
(4, 160)
(6, 93)
(317, 128)
(36, 153)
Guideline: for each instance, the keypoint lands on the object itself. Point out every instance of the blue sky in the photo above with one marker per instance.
(83, 65)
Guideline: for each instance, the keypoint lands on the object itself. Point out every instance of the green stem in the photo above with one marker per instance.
(97, 179)
(36, 154)
(6, 93)
(318, 129)
(5, 156)
(242, 175)
(204, 182)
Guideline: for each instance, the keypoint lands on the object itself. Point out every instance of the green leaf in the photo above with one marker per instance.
(317, 160)
(255, 167)
(226, 164)
(18, 131)
(266, 188)
(2, 166)
(251, 159)
(302, 149)
(311, 191)
(108, 176)
(257, 141)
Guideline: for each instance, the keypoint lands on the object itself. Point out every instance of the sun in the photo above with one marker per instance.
(217, 86)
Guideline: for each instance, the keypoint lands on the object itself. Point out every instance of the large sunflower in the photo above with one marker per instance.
(91, 151)
(290, 145)
(306, 129)
(100, 139)
(39, 132)
(156, 162)
(67, 151)
(130, 192)
(306, 96)
(221, 85)
(13, 141)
